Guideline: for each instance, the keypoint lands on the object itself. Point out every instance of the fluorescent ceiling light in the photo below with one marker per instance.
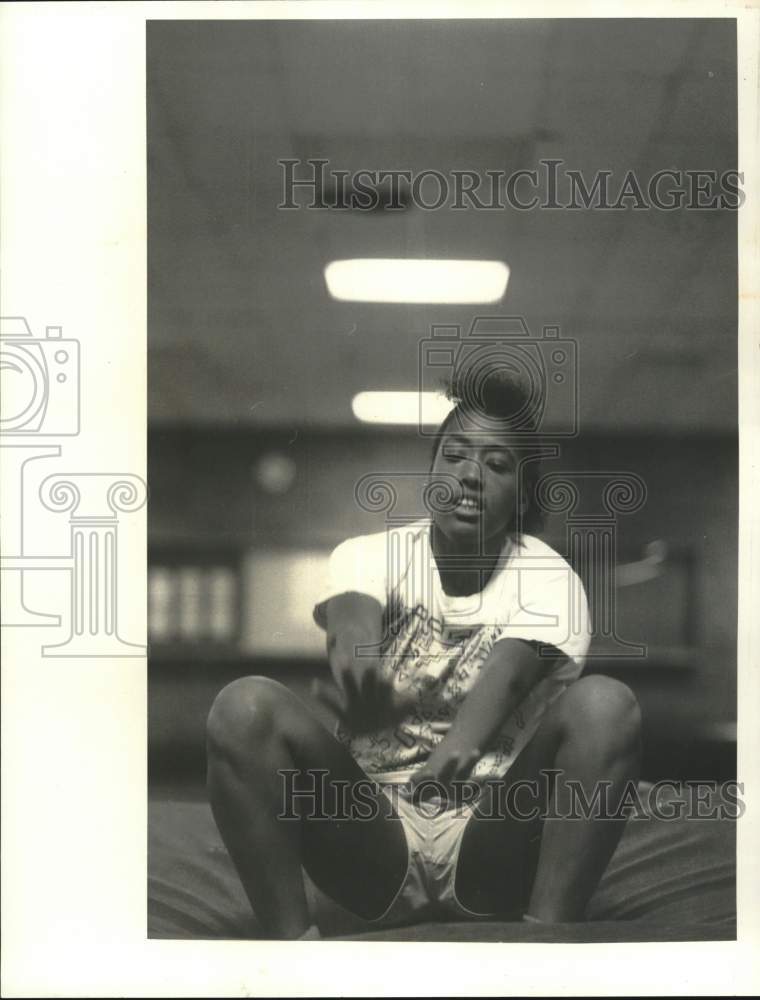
(401, 407)
(388, 280)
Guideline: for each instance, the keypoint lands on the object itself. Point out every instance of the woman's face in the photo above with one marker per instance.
(485, 469)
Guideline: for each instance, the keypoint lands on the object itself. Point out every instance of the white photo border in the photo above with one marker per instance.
(74, 731)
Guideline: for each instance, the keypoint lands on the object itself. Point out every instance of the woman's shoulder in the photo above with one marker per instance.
(535, 553)
(533, 547)
(377, 541)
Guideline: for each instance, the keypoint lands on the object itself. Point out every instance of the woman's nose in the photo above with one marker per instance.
(469, 474)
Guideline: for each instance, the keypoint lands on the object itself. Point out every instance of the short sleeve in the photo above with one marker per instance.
(357, 565)
(551, 609)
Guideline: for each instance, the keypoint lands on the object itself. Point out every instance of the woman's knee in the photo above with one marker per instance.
(604, 707)
(247, 712)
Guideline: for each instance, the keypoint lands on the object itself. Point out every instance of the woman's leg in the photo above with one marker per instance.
(258, 729)
(550, 869)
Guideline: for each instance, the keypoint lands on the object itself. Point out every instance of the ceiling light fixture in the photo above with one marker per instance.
(401, 407)
(399, 280)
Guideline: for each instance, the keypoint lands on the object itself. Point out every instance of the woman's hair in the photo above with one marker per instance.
(500, 396)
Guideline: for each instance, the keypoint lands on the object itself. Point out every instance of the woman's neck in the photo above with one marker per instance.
(464, 571)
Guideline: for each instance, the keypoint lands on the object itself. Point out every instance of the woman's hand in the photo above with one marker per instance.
(365, 701)
(445, 766)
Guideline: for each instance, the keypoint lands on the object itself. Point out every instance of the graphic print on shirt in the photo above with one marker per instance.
(438, 665)
(434, 644)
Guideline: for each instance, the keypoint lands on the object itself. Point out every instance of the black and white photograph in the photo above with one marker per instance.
(379, 463)
(442, 325)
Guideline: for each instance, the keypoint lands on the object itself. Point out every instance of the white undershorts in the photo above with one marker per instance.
(434, 838)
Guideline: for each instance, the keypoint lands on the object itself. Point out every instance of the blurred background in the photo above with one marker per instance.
(254, 448)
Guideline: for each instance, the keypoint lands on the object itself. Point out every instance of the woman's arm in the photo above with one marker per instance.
(512, 669)
(367, 700)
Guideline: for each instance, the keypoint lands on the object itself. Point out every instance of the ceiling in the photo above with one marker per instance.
(242, 330)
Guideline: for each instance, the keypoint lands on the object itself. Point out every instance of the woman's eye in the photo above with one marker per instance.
(498, 467)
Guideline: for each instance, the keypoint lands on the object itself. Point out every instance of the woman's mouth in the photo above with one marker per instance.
(468, 508)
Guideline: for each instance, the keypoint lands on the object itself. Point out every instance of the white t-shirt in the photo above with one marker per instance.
(435, 645)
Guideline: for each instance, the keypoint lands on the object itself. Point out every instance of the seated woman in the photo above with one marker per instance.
(456, 643)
